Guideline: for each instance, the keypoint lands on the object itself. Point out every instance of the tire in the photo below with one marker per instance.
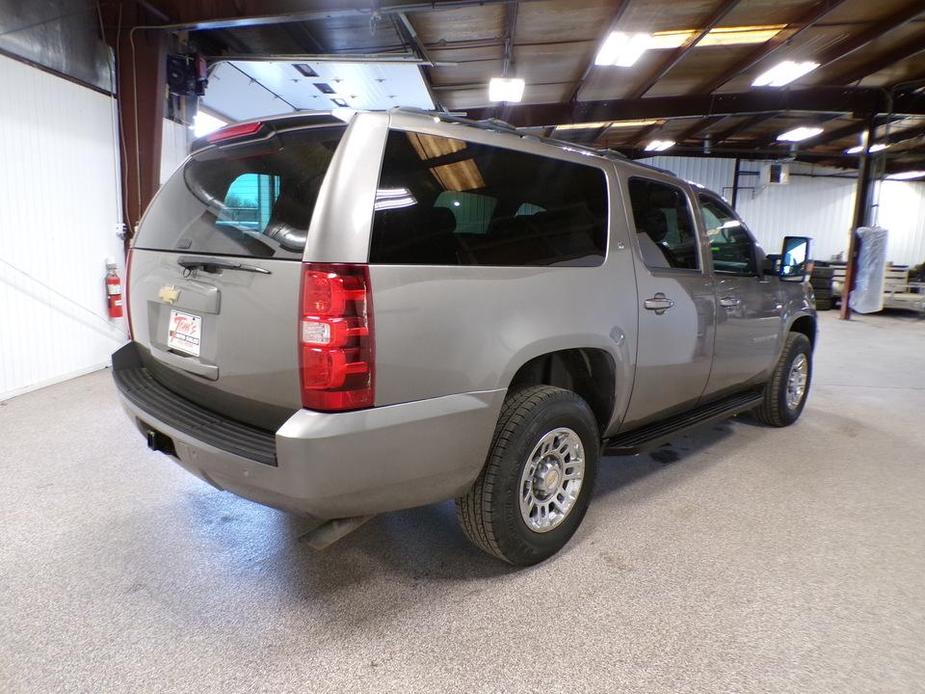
(823, 304)
(823, 272)
(774, 409)
(490, 512)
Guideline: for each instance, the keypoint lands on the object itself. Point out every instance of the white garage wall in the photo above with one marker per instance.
(901, 209)
(821, 207)
(174, 147)
(58, 210)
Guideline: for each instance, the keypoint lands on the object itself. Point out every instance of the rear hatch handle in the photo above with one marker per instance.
(214, 265)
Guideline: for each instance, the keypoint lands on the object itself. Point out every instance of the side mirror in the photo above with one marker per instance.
(793, 258)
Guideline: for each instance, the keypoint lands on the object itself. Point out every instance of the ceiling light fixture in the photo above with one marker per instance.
(799, 134)
(622, 49)
(860, 148)
(659, 145)
(906, 175)
(610, 124)
(784, 73)
(509, 89)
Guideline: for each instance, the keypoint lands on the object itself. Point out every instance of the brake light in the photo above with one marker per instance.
(128, 285)
(336, 337)
(232, 131)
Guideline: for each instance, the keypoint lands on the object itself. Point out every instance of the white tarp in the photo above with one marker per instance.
(867, 296)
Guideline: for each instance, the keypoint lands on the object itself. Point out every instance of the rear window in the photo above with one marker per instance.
(254, 199)
(443, 201)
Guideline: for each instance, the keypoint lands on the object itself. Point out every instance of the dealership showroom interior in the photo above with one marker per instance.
(462, 346)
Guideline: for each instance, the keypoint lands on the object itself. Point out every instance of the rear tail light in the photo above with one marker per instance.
(125, 293)
(336, 337)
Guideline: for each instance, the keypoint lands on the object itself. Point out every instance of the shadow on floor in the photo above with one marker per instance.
(394, 561)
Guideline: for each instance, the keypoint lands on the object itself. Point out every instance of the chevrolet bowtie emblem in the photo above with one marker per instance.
(168, 294)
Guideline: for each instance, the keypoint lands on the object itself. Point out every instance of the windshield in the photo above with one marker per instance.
(254, 199)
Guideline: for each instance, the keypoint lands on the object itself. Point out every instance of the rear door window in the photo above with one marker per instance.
(253, 199)
(444, 201)
(664, 226)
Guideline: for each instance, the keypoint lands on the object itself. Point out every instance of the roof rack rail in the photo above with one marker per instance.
(498, 125)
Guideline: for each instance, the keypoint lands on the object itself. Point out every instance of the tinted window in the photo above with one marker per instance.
(731, 245)
(253, 199)
(666, 233)
(444, 201)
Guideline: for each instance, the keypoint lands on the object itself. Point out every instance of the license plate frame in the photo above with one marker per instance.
(184, 332)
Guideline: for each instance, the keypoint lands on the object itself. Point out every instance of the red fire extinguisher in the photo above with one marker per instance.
(113, 290)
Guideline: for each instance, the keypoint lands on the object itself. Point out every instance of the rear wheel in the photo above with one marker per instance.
(786, 391)
(534, 490)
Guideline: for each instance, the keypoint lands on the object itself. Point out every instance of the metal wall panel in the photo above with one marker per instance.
(58, 210)
(174, 147)
(901, 210)
(62, 35)
(821, 207)
(715, 174)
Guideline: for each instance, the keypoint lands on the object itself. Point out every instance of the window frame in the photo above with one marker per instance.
(694, 216)
(717, 200)
(491, 139)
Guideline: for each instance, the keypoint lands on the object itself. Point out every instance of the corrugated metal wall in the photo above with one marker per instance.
(715, 174)
(821, 207)
(58, 210)
(901, 210)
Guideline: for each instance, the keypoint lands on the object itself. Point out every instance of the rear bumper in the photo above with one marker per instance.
(327, 465)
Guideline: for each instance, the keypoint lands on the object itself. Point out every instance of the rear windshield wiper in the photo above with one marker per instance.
(213, 265)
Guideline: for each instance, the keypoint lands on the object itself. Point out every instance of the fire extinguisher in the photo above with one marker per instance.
(113, 290)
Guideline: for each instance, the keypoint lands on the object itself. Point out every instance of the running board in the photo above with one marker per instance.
(653, 435)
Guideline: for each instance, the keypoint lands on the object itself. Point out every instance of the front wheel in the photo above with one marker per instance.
(534, 490)
(786, 391)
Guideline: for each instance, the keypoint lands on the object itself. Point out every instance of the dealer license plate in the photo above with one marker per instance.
(183, 332)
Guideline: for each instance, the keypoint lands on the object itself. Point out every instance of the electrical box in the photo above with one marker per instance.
(775, 174)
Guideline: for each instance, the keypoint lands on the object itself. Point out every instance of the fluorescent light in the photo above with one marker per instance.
(204, 123)
(906, 175)
(799, 134)
(784, 73)
(583, 126)
(506, 89)
(659, 145)
(622, 49)
(860, 148)
(393, 198)
(723, 36)
(610, 124)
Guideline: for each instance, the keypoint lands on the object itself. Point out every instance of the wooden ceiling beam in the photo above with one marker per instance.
(614, 22)
(873, 32)
(765, 50)
(818, 99)
(906, 50)
(678, 54)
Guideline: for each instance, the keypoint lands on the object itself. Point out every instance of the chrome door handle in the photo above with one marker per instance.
(730, 302)
(658, 303)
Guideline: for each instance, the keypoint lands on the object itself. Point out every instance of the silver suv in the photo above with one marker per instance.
(347, 318)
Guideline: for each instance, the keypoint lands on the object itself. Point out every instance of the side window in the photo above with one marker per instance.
(731, 245)
(666, 232)
(443, 201)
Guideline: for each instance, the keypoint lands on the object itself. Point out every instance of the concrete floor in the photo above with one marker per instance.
(739, 559)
